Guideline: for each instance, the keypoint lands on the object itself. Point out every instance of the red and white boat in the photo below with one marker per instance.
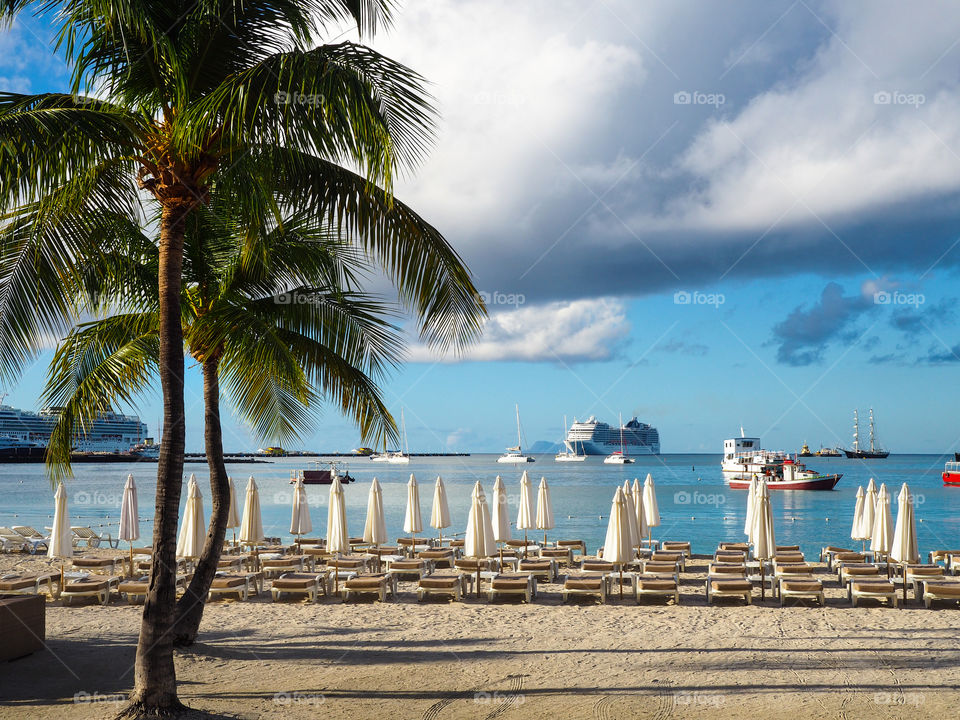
(793, 476)
(951, 473)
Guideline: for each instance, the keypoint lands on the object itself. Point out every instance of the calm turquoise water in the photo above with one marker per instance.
(695, 504)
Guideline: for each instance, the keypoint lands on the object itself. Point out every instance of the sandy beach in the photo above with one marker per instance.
(439, 660)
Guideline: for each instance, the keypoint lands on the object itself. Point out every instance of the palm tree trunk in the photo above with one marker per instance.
(155, 680)
(190, 607)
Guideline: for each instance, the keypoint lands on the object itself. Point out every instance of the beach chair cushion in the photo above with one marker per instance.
(90, 584)
(535, 565)
(873, 586)
(583, 583)
(500, 583)
(441, 582)
(91, 562)
(665, 584)
(21, 582)
(366, 582)
(804, 585)
(944, 589)
(225, 582)
(296, 581)
(731, 585)
(924, 570)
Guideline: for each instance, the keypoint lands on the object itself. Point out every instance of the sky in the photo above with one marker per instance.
(707, 215)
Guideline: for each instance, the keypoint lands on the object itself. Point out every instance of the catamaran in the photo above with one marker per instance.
(618, 457)
(396, 457)
(515, 454)
(570, 454)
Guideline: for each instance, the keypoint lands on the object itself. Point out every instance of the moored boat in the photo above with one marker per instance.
(793, 476)
(515, 454)
(951, 473)
(875, 452)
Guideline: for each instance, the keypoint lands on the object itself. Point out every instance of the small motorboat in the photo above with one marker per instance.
(323, 475)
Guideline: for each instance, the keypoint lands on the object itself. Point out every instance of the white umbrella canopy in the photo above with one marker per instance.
(479, 541)
(526, 520)
(642, 528)
(544, 509)
(764, 540)
(412, 520)
(650, 507)
(61, 540)
(751, 503)
(251, 527)
(440, 512)
(500, 513)
(617, 545)
(233, 515)
(193, 531)
(856, 531)
(338, 540)
(129, 512)
(375, 528)
(905, 548)
(631, 507)
(300, 523)
(881, 539)
(869, 510)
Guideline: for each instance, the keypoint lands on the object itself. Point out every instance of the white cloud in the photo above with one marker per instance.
(581, 330)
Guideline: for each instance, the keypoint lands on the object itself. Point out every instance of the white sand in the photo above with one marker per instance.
(440, 660)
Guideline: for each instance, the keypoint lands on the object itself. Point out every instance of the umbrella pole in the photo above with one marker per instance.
(131, 558)
(621, 581)
(478, 577)
(763, 582)
(903, 570)
(336, 573)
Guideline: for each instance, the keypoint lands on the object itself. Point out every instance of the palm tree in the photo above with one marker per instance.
(197, 93)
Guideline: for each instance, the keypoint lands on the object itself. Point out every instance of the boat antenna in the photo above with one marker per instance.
(742, 433)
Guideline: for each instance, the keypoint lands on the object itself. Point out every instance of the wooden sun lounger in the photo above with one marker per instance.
(454, 585)
(573, 545)
(286, 563)
(108, 564)
(543, 568)
(98, 586)
(563, 556)
(136, 590)
(676, 546)
(944, 591)
(853, 571)
(592, 585)
(380, 584)
(17, 584)
(661, 569)
(669, 556)
(801, 587)
(721, 588)
(311, 585)
(404, 568)
(826, 553)
(520, 584)
(656, 586)
(441, 558)
(917, 574)
(872, 590)
(240, 584)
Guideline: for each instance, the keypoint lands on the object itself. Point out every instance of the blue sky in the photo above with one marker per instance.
(792, 171)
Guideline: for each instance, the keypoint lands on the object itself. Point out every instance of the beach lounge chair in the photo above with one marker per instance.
(27, 584)
(724, 588)
(594, 565)
(311, 585)
(792, 570)
(826, 553)
(11, 541)
(96, 586)
(441, 557)
(852, 571)
(33, 536)
(573, 546)
(917, 574)
(656, 586)
(407, 568)
(240, 584)
(471, 564)
(592, 585)
(563, 556)
(788, 557)
(944, 591)
(523, 547)
(676, 546)
(787, 548)
(454, 585)
(380, 584)
(542, 568)
(872, 590)
(516, 584)
(801, 587)
(730, 556)
(285, 563)
(135, 589)
(670, 569)
(104, 564)
(663, 556)
(88, 536)
(232, 562)
(734, 546)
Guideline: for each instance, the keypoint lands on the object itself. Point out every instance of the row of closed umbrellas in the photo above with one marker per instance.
(873, 522)
(632, 515)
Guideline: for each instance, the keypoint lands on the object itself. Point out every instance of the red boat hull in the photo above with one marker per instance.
(824, 482)
(951, 478)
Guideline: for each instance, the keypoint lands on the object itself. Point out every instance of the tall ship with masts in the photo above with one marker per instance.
(875, 451)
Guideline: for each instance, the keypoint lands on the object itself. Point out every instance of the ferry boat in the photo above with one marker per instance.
(874, 452)
(515, 454)
(594, 437)
(793, 475)
(110, 432)
(743, 457)
(951, 473)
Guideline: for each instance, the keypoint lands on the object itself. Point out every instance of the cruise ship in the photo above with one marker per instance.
(593, 437)
(111, 432)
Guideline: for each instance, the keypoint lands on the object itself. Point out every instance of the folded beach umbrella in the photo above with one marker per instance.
(129, 516)
(440, 512)
(650, 507)
(881, 539)
(233, 516)
(193, 531)
(857, 530)
(764, 539)
(300, 523)
(61, 537)
(251, 527)
(375, 528)
(617, 545)
(479, 541)
(631, 507)
(751, 503)
(500, 512)
(338, 540)
(544, 509)
(412, 520)
(904, 549)
(526, 520)
(642, 528)
(869, 510)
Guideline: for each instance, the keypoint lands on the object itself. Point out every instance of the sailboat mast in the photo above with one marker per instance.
(519, 444)
(621, 433)
(871, 430)
(856, 432)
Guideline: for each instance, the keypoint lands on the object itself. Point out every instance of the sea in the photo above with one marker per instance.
(694, 502)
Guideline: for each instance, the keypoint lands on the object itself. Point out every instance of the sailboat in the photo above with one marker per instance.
(396, 457)
(570, 454)
(514, 454)
(619, 457)
(874, 452)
